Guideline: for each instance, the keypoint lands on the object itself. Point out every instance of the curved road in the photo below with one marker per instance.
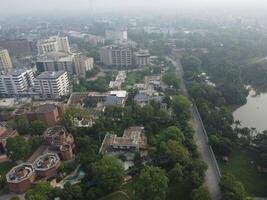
(212, 178)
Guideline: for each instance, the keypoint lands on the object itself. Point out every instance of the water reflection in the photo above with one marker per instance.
(254, 112)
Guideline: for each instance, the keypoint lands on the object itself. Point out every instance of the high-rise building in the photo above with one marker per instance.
(51, 85)
(142, 58)
(16, 82)
(53, 44)
(116, 56)
(55, 61)
(82, 64)
(5, 61)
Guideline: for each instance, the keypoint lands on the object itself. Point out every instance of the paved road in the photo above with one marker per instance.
(212, 175)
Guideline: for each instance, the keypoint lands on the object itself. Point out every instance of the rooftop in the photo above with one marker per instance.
(20, 173)
(45, 108)
(50, 75)
(46, 161)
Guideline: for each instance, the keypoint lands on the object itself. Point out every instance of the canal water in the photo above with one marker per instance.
(254, 112)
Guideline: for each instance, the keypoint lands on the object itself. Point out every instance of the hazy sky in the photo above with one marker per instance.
(24, 6)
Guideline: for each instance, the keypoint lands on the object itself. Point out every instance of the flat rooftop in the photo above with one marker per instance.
(50, 75)
(45, 108)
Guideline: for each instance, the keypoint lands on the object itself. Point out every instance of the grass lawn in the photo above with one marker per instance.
(241, 166)
(116, 196)
(135, 77)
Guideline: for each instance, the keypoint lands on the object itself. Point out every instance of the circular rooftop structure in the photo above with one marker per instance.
(20, 173)
(46, 162)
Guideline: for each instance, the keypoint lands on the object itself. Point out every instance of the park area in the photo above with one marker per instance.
(243, 165)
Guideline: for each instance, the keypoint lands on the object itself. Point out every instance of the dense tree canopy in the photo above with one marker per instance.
(152, 184)
(108, 173)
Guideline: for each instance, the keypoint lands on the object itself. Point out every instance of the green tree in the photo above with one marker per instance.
(152, 184)
(40, 192)
(18, 148)
(71, 113)
(37, 127)
(191, 63)
(174, 152)
(176, 173)
(171, 133)
(232, 189)
(87, 150)
(201, 193)
(108, 173)
(21, 124)
(181, 107)
(71, 192)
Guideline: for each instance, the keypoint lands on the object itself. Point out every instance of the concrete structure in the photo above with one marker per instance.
(51, 85)
(53, 44)
(120, 79)
(55, 61)
(48, 113)
(57, 136)
(16, 82)
(142, 58)
(60, 140)
(82, 64)
(20, 178)
(116, 98)
(66, 151)
(5, 61)
(120, 56)
(46, 165)
(133, 138)
(116, 34)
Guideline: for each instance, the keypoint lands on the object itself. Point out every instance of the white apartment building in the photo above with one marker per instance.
(142, 58)
(17, 82)
(116, 35)
(120, 56)
(82, 64)
(5, 61)
(53, 44)
(51, 85)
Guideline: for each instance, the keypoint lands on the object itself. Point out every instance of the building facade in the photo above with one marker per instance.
(5, 60)
(82, 64)
(51, 85)
(142, 58)
(53, 44)
(119, 56)
(17, 82)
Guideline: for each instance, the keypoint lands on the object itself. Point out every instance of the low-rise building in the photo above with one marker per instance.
(53, 44)
(118, 97)
(20, 178)
(60, 140)
(48, 113)
(133, 139)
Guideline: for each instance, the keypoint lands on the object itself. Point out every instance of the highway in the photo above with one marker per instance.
(212, 178)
